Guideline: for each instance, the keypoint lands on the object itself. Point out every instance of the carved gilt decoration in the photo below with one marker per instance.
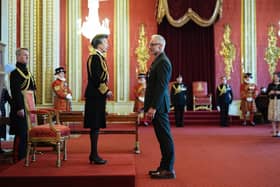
(228, 51)
(142, 52)
(272, 52)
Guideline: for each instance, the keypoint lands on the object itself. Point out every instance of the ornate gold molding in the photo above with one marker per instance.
(228, 51)
(12, 30)
(142, 52)
(163, 10)
(272, 52)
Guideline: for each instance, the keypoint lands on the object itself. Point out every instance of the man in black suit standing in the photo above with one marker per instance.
(96, 93)
(157, 105)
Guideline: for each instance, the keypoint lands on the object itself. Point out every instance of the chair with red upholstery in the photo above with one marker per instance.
(202, 100)
(48, 133)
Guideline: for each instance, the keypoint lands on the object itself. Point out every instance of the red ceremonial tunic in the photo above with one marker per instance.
(61, 89)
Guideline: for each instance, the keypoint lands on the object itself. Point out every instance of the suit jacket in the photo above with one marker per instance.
(157, 93)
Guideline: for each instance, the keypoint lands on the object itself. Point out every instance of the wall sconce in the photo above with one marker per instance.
(92, 25)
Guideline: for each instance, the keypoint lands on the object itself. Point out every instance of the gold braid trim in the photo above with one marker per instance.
(89, 65)
(104, 75)
(26, 82)
(222, 90)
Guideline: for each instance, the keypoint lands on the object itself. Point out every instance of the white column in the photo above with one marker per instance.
(249, 30)
(121, 59)
(74, 57)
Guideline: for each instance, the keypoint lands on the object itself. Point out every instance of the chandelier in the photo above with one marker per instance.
(92, 25)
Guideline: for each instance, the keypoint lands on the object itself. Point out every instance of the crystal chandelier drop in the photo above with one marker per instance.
(92, 26)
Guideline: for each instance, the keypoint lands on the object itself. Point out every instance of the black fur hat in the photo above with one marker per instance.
(59, 70)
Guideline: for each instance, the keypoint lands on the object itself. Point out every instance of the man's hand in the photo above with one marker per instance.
(109, 94)
(20, 113)
(151, 113)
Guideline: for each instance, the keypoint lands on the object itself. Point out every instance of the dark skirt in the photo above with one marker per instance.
(95, 113)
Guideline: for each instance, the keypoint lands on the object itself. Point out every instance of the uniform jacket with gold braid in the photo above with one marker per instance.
(20, 79)
(224, 94)
(61, 89)
(178, 94)
(97, 76)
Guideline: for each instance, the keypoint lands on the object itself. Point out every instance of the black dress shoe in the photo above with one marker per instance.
(152, 172)
(97, 161)
(164, 174)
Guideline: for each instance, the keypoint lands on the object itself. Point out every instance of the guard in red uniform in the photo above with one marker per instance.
(139, 92)
(63, 94)
(248, 94)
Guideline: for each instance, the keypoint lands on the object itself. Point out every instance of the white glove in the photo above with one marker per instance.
(218, 108)
(69, 96)
(141, 99)
(249, 99)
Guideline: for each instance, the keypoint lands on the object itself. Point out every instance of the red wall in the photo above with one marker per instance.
(144, 12)
(141, 12)
(267, 13)
(232, 16)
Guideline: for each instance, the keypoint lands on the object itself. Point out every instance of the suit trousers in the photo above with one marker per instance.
(162, 130)
(224, 114)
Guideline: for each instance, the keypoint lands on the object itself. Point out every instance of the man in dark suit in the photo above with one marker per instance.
(157, 105)
(96, 93)
(224, 99)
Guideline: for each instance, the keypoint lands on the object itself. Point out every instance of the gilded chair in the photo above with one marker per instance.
(48, 134)
(202, 100)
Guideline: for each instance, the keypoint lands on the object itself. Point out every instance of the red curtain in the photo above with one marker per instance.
(191, 47)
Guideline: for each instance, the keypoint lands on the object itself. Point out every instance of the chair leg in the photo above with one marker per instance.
(33, 157)
(65, 150)
(27, 154)
(58, 161)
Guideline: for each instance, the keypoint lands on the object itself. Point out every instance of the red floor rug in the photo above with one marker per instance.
(76, 171)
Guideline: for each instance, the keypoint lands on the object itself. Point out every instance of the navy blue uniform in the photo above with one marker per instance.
(178, 100)
(224, 99)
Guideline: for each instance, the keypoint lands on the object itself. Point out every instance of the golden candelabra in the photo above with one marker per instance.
(228, 51)
(272, 52)
(142, 51)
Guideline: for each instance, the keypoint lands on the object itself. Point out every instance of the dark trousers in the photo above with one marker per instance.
(224, 114)
(179, 115)
(162, 130)
(20, 141)
(94, 134)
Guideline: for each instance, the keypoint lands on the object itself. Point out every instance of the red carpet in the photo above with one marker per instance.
(212, 156)
(206, 156)
(76, 171)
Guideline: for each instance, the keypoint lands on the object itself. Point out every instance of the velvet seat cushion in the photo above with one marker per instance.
(45, 130)
(202, 100)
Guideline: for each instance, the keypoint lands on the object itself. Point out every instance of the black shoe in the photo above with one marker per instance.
(164, 174)
(152, 172)
(252, 123)
(97, 160)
